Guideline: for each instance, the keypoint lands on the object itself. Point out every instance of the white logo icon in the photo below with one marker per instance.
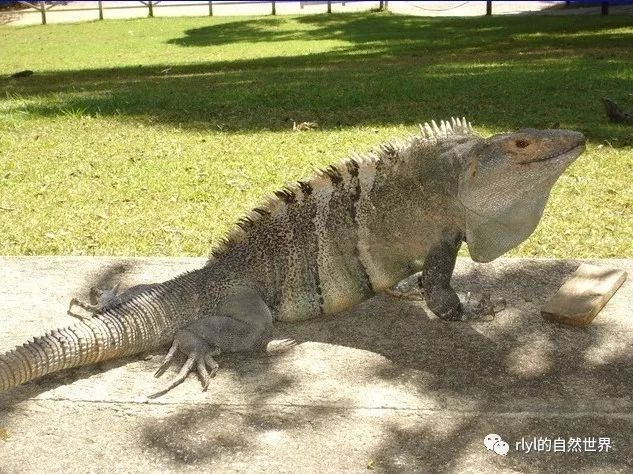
(501, 447)
(490, 440)
(493, 442)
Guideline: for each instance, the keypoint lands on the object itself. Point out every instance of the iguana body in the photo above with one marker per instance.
(326, 244)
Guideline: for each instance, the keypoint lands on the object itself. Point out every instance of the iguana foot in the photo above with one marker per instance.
(200, 356)
(88, 307)
(102, 298)
(407, 289)
(244, 321)
(481, 308)
(413, 294)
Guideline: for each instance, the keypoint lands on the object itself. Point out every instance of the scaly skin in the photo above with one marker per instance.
(148, 321)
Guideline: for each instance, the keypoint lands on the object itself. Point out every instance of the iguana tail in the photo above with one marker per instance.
(144, 322)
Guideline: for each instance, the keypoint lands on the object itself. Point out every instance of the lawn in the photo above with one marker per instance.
(152, 136)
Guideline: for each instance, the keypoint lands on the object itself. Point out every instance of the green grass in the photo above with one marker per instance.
(150, 137)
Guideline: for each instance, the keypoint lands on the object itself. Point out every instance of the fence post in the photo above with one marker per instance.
(488, 7)
(100, 10)
(274, 8)
(43, 11)
(604, 8)
(150, 6)
(329, 6)
(210, 8)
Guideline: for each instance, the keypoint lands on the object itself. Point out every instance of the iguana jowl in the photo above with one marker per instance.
(324, 245)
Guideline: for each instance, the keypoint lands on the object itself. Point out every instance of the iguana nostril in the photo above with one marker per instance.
(522, 143)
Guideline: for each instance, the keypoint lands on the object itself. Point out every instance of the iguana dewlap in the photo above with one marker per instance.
(326, 244)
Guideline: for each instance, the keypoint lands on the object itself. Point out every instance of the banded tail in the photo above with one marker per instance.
(146, 321)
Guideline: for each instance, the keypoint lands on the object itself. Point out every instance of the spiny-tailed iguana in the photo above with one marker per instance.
(615, 113)
(326, 244)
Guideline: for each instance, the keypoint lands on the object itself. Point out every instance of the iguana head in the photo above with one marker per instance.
(505, 182)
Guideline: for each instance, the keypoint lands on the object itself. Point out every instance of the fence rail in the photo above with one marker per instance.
(45, 8)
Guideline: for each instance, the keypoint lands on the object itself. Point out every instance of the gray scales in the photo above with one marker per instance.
(324, 245)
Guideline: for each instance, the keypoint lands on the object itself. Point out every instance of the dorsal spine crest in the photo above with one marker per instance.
(333, 175)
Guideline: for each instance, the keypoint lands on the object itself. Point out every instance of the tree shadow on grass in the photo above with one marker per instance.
(399, 33)
(392, 71)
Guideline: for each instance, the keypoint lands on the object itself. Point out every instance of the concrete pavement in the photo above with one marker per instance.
(386, 386)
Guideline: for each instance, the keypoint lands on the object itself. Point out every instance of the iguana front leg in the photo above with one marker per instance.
(435, 283)
(435, 278)
(238, 325)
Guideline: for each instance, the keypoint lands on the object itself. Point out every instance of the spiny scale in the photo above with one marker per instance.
(456, 126)
(333, 175)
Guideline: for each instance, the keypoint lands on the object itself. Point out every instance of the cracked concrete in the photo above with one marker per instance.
(386, 386)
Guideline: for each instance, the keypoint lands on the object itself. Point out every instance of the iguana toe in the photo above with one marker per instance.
(206, 376)
(200, 357)
(413, 295)
(167, 360)
(481, 307)
(75, 302)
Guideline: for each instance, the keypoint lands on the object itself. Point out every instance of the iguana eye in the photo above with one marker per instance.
(522, 143)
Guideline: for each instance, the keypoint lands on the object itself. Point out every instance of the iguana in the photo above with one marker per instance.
(325, 244)
(615, 113)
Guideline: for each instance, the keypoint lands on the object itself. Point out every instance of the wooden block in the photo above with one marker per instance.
(583, 295)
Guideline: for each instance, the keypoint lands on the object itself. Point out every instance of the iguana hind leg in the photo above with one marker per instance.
(240, 325)
(102, 298)
(92, 309)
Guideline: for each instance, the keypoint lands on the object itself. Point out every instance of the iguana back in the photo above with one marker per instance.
(353, 230)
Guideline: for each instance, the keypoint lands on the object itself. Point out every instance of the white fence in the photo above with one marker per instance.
(72, 11)
(106, 9)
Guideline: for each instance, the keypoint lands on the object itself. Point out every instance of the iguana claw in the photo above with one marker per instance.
(413, 295)
(201, 357)
(478, 308)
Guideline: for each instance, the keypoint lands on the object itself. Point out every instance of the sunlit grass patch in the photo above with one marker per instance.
(151, 137)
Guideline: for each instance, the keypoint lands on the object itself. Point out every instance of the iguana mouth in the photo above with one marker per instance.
(571, 151)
